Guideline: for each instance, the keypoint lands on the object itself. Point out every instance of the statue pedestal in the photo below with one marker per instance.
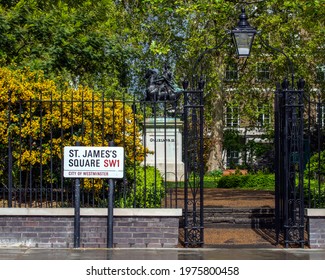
(163, 138)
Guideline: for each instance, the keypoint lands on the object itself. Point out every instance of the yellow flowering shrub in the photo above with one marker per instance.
(39, 119)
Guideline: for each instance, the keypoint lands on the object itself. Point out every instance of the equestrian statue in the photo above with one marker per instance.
(161, 87)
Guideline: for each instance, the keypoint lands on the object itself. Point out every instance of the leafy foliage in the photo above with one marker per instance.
(146, 188)
(232, 140)
(257, 181)
(215, 175)
(107, 45)
(314, 193)
(255, 156)
(39, 119)
(80, 41)
(316, 166)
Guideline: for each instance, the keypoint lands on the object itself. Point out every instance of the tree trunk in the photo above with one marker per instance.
(215, 160)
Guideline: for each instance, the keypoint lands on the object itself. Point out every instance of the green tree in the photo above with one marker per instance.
(81, 41)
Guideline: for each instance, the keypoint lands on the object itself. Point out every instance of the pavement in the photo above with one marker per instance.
(10, 253)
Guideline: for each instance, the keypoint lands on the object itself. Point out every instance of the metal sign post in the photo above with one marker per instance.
(94, 162)
(110, 215)
(76, 234)
(110, 208)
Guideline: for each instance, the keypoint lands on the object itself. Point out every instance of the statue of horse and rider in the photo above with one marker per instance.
(161, 87)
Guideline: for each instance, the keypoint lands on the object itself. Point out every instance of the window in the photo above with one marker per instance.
(264, 115)
(320, 73)
(263, 72)
(232, 116)
(232, 159)
(231, 72)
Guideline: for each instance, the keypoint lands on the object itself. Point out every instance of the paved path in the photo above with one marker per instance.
(161, 254)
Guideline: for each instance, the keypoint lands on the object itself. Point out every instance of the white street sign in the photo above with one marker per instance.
(93, 162)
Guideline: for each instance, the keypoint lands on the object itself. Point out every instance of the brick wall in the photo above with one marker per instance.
(316, 227)
(153, 228)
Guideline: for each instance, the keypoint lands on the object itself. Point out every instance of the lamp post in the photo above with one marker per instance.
(243, 35)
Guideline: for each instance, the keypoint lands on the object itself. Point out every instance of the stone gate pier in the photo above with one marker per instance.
(163, 137)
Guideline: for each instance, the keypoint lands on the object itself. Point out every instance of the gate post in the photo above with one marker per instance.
(194, 167)
(289, 161)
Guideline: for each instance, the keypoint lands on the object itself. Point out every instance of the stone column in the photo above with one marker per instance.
(163, 138)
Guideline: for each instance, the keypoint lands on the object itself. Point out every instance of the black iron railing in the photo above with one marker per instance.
(36, 131)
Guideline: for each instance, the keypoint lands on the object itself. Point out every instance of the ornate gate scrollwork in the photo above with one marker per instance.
(194, 170)
(289, 163)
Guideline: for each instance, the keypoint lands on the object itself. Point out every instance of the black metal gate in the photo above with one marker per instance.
(299, 144)
(289, 163)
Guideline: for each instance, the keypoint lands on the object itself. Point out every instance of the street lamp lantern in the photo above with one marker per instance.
(243, 35)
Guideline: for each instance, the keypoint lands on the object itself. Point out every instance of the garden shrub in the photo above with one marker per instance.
(260, 181)
(38, 130)
(316, 166)
(250, 181)
(314, 192)
(145, 191)
(232, 181)
(211, 178)
(314, 184)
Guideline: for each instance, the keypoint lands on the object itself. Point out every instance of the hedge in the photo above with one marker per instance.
(251, 181)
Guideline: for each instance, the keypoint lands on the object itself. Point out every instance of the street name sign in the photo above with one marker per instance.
(93, 162)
